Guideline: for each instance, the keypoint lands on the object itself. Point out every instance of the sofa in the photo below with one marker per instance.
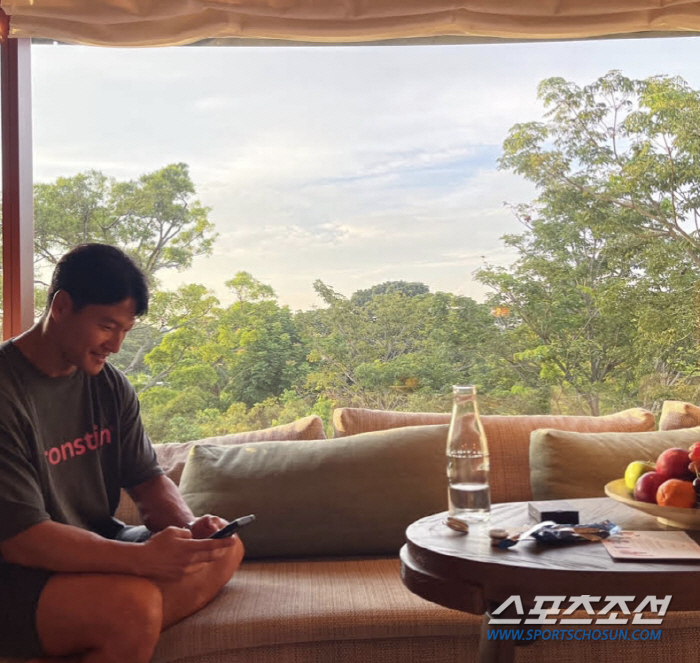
(321, 580)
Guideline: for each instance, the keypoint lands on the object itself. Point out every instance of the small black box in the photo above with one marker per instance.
(559, 511)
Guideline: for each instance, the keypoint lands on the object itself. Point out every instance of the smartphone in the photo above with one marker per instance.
(233, 527)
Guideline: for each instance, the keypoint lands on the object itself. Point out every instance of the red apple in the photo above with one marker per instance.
(647, 485)
(694, 452)
(673, 464)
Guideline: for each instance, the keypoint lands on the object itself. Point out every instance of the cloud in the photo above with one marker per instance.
(354, 165)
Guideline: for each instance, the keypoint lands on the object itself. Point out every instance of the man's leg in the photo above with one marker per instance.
(116, 618)
(186, 596)
(104, 618)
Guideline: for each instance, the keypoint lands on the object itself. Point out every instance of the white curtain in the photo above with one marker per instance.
(170, 22)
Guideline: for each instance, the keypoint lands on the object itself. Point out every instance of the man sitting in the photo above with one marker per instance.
(74, 581)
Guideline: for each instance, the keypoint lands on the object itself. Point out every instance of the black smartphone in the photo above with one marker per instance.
(233, 527)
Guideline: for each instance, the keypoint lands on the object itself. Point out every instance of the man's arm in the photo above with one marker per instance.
(168, 555)
(161, 505)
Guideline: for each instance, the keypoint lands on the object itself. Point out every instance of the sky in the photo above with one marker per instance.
(354, 165)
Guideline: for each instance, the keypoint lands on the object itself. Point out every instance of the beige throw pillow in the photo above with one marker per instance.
(566, 465)
(508, 437)
(352, 496)
(172, 456)
(677, 414)
(354, 420)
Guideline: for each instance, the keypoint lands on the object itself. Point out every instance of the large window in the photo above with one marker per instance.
(345, 225)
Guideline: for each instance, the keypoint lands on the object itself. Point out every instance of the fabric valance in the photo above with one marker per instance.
(171, 22)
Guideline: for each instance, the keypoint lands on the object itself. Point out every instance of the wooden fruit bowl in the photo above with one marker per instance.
(672, 516)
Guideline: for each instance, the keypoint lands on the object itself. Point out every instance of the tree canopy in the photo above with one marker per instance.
(154, 218)
(632, 146)
(602, 294)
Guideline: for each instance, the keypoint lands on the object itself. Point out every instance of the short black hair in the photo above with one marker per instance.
(99, 274)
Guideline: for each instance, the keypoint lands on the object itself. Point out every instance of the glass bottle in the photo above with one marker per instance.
(467, 459)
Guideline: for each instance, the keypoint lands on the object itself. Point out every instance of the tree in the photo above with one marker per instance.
(410, 289)
(568, 328)
(262, 350)
(393, 349)
(215, 365)
(616, 163)
(153, 218)
(632, 146)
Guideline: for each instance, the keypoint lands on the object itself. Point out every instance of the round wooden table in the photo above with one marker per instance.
(466, 573)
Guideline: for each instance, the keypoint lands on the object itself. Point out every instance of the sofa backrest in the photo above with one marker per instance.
(678, 414)
(508, 437)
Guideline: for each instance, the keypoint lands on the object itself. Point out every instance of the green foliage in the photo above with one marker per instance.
(630, 147)
(376, 352)
(602, 296)
(232, 359)
(362, 297)
(599, 311)
(154, 218)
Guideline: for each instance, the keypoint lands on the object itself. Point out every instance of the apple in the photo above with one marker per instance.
(647, 485)
(694, 452)
(635, 470)
(673, 464)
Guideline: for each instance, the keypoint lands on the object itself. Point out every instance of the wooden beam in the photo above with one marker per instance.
(17, 187)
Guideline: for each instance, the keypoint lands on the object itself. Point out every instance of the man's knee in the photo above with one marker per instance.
(220, 572)
(185, 597)
(233, 559)
(119, 614)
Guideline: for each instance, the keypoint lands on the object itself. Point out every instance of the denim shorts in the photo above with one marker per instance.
(20, 589)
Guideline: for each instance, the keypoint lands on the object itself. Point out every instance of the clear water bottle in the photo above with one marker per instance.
(467, 459)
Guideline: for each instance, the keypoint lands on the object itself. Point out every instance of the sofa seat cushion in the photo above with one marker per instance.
(357, 610)
(566, 465)
(508, 437)
(309, 603)
(173, 455)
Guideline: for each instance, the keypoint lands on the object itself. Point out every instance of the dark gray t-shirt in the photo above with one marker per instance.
(67, 446)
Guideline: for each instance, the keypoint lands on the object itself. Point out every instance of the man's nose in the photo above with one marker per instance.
(114, 342)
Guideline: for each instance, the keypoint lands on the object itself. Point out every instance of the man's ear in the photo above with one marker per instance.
(61, 305)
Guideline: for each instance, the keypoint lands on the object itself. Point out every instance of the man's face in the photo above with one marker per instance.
(87, 337)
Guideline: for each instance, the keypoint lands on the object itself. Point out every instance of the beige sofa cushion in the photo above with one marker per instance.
(354, 420)
(508, 437)
(358, 611)
(348, 496)
(320, 611)
(172, 456)
(677, 414)
(567, 465)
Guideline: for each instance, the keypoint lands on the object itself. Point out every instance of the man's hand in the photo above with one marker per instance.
(174, 553)
(204, 526)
